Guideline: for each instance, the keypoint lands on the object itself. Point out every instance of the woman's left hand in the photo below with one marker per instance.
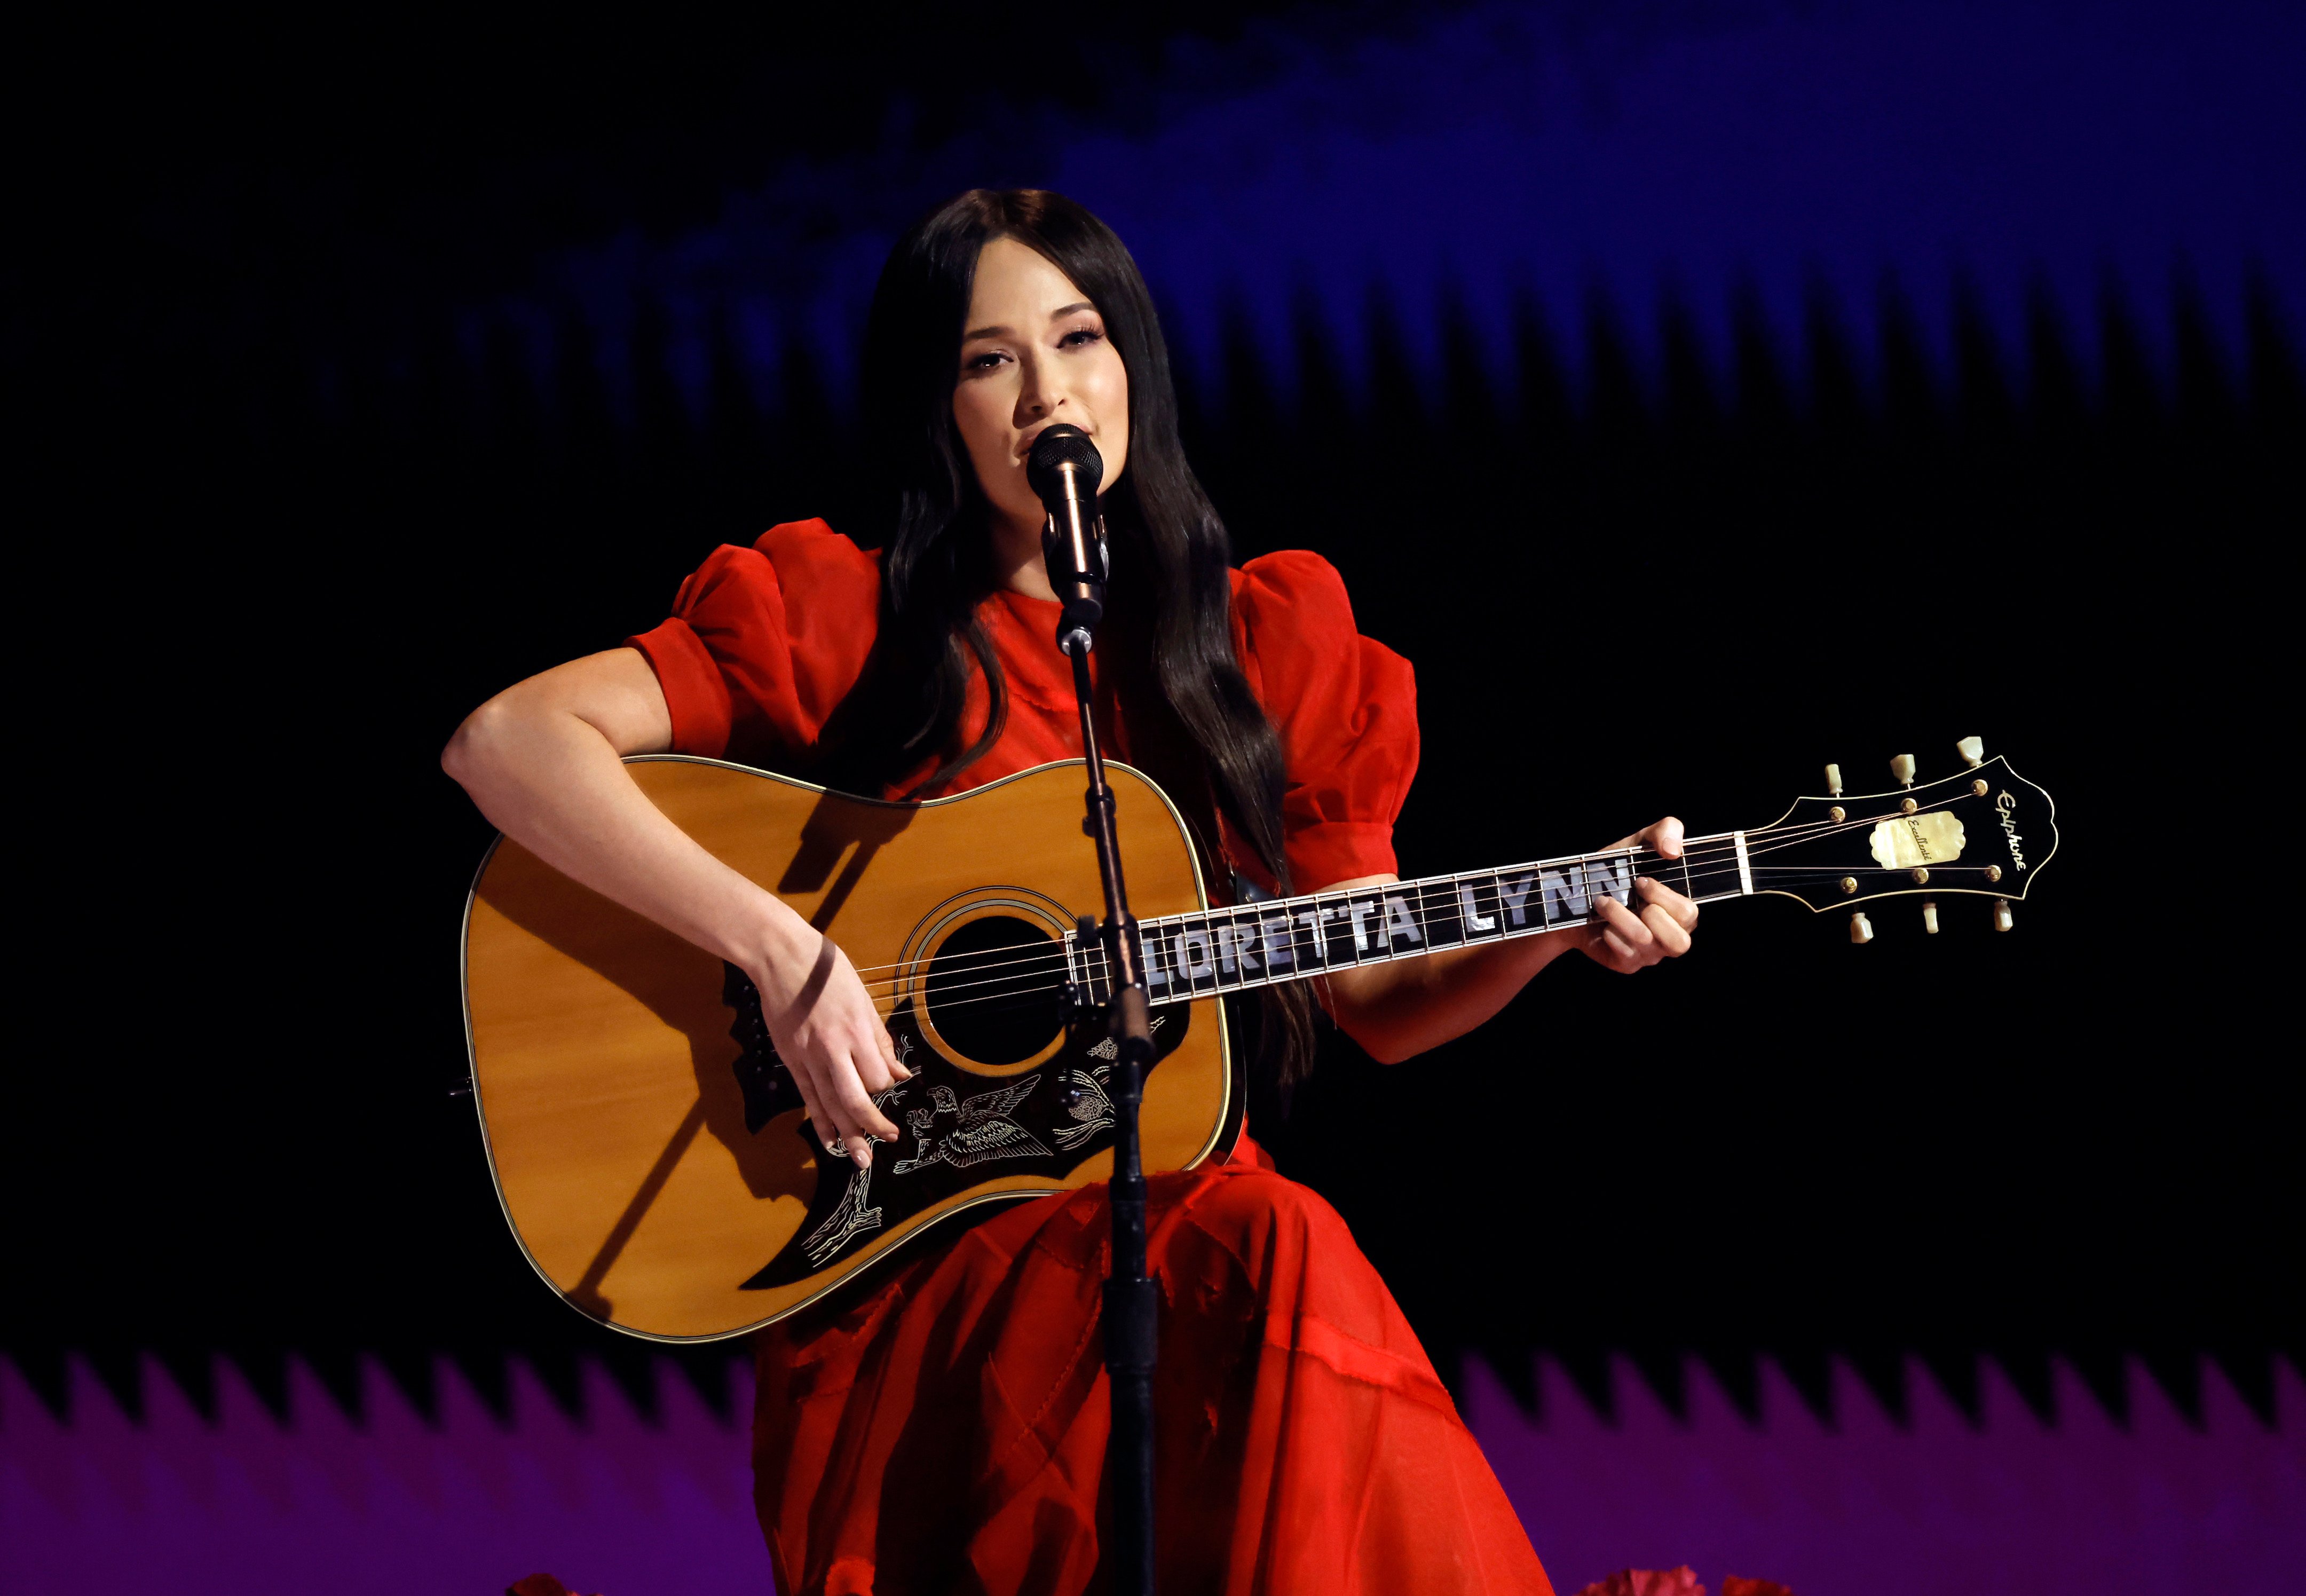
(1625, 941)
(1398, 1009)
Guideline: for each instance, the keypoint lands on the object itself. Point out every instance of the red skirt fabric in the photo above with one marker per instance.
(947, 1433)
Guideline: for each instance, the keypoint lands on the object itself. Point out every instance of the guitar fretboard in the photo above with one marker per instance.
(1263, 944)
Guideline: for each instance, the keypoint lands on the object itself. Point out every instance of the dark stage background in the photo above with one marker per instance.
(1694, 393)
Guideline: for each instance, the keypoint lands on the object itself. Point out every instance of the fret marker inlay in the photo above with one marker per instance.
(1399, 923)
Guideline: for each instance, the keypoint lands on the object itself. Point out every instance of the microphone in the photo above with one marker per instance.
(1065, 469)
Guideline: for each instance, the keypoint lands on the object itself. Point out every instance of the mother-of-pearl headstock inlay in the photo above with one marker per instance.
(1917, 840)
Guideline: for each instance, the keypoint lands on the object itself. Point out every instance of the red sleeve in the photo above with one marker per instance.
(1346, 708)
(764, 642)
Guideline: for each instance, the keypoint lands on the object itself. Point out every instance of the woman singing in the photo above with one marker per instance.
(946, 1430)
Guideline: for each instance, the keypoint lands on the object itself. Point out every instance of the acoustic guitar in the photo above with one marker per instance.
(651, 1151)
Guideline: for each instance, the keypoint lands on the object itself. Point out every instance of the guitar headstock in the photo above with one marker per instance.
(1985, 832)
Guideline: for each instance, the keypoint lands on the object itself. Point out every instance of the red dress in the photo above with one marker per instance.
(947, 1432)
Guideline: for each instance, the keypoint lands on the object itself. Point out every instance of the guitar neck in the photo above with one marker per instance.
(1264, 943)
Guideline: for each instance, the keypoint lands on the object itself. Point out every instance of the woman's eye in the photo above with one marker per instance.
(1079, 338)
(982, 362)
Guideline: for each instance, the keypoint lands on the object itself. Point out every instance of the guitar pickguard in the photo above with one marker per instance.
(761, 1075)
(960, 1129)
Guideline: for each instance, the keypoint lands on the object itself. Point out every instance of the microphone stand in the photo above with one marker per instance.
(1077, 569)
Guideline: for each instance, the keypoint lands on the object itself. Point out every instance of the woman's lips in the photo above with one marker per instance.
(1025, 439)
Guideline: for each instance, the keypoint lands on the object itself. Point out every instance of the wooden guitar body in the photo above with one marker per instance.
(652, 1154)
(649, 1150)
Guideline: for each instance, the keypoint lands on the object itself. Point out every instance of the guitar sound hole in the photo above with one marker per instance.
(996, 990)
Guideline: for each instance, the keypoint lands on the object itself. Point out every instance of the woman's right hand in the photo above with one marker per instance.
(544, 761)
(830, 1035)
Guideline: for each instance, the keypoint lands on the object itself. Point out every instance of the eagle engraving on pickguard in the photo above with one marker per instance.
(958, 1134)
(1110, 1050)
(982, 1129)
(1091, 1108)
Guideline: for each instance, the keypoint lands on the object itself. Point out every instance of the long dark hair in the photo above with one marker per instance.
(1193, 719)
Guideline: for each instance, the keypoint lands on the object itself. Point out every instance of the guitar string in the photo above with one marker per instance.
(1166, 930)
(1020, 994)
(1705, 857)
(1697, 852)
(1172, 930)
(1169, 930)
(1020, 989)
(1714, 872)
(1711, 862)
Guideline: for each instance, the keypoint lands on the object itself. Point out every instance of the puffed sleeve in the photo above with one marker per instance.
(764, 642)
(1346, 708)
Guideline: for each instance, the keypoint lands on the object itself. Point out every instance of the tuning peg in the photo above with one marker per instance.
(1861, 929)
(1973, 749)
(1930, 915)
(1833, 780)
(2002, 914)
(1901, 770)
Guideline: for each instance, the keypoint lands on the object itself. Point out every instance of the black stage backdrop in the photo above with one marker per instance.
(255, 619)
